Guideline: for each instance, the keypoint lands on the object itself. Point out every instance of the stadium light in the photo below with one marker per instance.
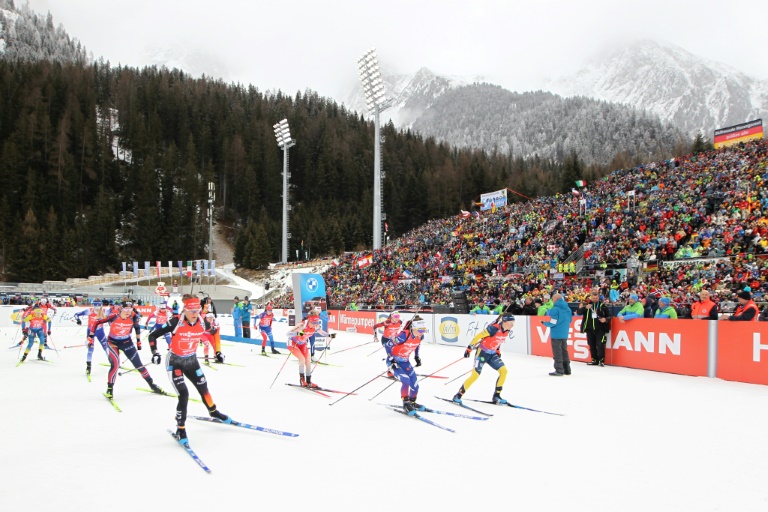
(376, 102)
(285, 142)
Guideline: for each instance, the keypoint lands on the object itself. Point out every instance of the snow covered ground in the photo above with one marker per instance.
(629, 440)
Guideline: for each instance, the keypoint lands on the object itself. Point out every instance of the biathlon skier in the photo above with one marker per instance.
(186, 332)
(37, 323)
(94, 330)
(392, 326)
(264, 324)
(121, 323)
(162, 316)
(488, 351)
(399, 352)
(298, 346)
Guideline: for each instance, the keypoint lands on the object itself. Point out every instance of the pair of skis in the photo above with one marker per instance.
(320, 391)
(248, 426)
(465, 406)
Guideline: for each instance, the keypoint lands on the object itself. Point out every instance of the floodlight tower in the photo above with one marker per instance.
(376, 102)
(284, 141)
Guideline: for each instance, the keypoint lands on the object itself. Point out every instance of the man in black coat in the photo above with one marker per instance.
(596, 324)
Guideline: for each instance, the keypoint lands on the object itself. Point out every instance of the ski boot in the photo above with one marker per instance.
(40, 356)
(302, 380)
(415, 406)
(109, 394)
(156, 389)
(497, 397)
(457, 396)
(593, 362)
(207, 361)
(409, 407)
(263, 351)
(276, 352)
(181, 435)
(88, 368)
(219, 357)
(221, 417)
(308, 380)
(601, 362)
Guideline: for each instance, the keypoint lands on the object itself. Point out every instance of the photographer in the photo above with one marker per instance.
(596, 324)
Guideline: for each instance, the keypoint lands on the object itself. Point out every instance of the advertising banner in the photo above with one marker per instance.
(743, 132)
(578, 349)
(459, 330)
(308, 293)
(493, 200)
(742, 351)
(672, 346)
(361, 322)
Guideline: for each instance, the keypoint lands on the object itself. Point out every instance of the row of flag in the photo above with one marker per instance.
(193, 267)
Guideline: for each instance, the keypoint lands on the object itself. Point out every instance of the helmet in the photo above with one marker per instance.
(508, 318)
(96, 304)
(38, 311)
(269, 306)
(43, 300)
(419, 325)
(127, 304)
(209, 315)
(395, 315)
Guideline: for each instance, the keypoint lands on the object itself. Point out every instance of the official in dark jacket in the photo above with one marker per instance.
(595, 324)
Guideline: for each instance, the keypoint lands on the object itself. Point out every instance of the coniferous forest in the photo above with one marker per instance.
(102, 164)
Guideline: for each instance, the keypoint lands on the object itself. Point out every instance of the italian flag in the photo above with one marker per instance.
(581, 183)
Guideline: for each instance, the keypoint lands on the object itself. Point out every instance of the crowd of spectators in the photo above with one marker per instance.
(681, 225)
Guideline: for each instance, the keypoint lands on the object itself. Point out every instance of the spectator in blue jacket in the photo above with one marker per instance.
(560, 316)
(237, 317)
(246, 310)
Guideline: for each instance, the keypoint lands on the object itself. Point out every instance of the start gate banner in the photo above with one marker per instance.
(742, 351)
(672, 346)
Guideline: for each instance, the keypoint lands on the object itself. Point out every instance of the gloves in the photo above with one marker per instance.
(418, 361)
(468, 351)
(393, 365)
(219, 357)
(49, 332)
(332, 335)
(25, 332)
(90, 341)
(375, 337)
(138, 344)
(498, 351)
(155, 357)
(78, 321)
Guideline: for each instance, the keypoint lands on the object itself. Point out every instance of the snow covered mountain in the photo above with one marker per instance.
(193, 61)
(412, 94)
(693, 93)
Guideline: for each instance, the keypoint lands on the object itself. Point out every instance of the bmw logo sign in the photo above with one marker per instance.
(312, 284)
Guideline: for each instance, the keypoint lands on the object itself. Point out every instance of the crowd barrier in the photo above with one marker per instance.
(734, 351)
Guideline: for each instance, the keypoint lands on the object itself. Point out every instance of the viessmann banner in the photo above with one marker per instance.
(672, 346)
(743, 132)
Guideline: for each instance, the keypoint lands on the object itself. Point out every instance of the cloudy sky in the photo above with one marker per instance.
(315, 44)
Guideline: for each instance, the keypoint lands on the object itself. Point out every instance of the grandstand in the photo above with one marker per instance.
(669, 228)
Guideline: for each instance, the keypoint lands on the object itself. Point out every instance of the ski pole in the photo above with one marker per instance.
(350, 348)
(377, 349)
(280, 370)
(383, 390)
(73, 346)
(359, 387)
(457, 378)
(132, 370)
(443, 368)
(50, 338)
